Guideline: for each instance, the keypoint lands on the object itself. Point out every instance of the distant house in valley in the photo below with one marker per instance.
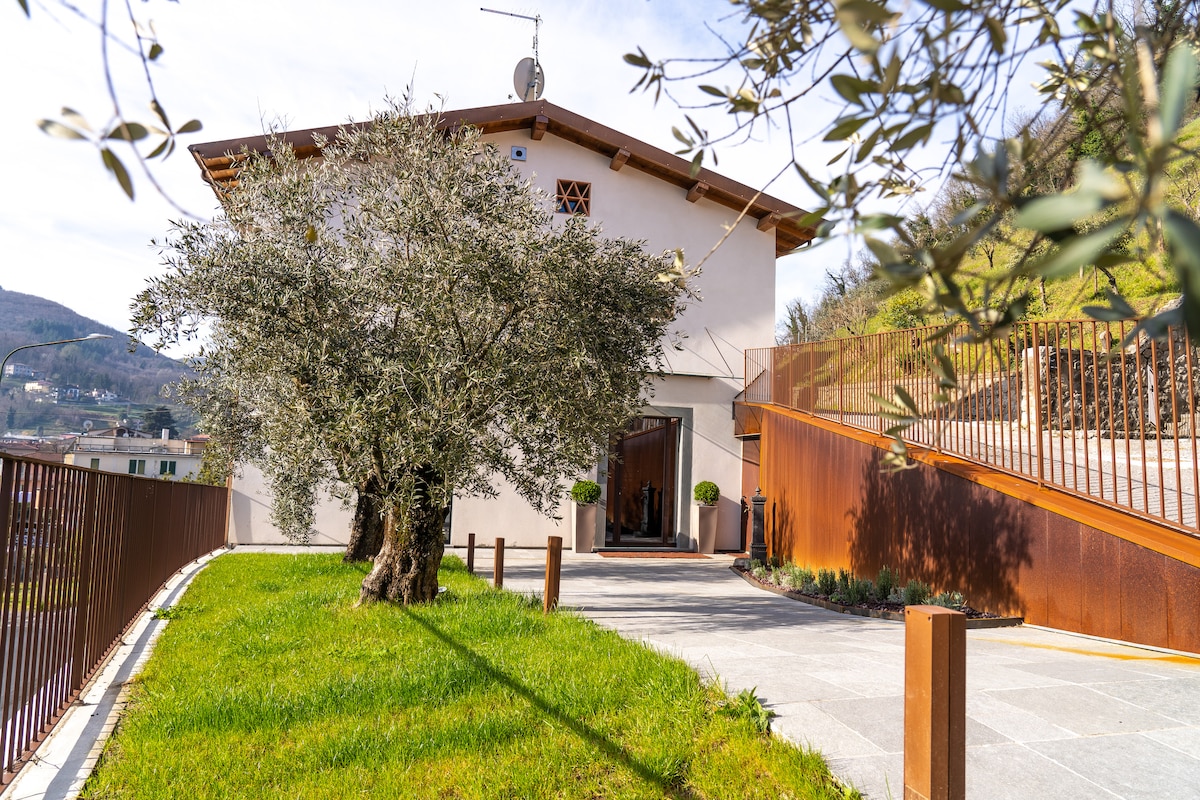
(132, 452)
(684, 433)
(22, 371)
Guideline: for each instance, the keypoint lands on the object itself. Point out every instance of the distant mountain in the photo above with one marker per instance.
(136, 377)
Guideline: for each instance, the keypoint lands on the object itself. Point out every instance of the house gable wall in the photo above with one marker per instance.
(735, 311)
(737, 283)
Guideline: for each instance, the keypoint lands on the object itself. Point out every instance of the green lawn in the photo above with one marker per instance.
(267, 683)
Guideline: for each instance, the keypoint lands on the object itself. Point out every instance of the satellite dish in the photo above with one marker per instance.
(528, 80)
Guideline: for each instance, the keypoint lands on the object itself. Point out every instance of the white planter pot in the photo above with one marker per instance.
(583, 527)
(704, 528)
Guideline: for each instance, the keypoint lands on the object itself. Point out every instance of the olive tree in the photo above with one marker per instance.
(422, 321)
(249, 421)
(1083, 172)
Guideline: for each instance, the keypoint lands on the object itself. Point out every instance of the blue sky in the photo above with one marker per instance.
(68, 234)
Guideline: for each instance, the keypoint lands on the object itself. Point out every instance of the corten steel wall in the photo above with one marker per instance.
(829, 505)
(82, 552)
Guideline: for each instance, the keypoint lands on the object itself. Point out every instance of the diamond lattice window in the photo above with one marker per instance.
(574, 197)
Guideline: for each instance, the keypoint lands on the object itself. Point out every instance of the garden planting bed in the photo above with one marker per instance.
(878, 610)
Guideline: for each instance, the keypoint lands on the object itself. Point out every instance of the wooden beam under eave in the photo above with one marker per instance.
(619, 159)
(698, 190)
(538, 129)
(769, 221)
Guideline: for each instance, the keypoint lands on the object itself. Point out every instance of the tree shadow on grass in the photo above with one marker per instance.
(611, 749)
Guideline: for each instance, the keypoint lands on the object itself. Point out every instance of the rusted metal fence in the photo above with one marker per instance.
(1062, 403)
(83, 552)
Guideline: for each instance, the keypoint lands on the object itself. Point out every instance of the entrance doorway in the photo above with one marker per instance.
(641, 485)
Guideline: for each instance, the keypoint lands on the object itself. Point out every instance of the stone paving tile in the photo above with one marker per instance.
(1012, 722)
(787, 689)
(867, 682)
(1089, 673)
(881, 721)
(809, 726)
(1083, 710)
(984, 674)
(880, 777)
(1177, 699)
(1013, 772)
(1185, 740)
(1132, 766)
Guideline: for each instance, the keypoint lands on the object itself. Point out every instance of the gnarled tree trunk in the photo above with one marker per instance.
(366, 531)
(407, 565)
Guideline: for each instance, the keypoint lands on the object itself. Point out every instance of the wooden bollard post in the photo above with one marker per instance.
(470, 554)
(553, 570)
(935, 703)
(498, 564)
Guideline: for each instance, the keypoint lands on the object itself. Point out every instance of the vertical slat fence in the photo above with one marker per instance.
(82, 553)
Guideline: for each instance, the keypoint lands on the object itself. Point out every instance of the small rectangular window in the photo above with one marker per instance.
(95, 464)
(166, 468)
(573, 197)
(137, 466)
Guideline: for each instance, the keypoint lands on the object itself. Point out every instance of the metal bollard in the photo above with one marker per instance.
(470, 554)
(553, 571)
(758, 541)
(935, 703)
(498, 565)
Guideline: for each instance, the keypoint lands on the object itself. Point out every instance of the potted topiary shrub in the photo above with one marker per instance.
(585, 496)
(704, 520)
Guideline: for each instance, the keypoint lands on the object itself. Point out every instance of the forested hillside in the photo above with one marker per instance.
(137, 378)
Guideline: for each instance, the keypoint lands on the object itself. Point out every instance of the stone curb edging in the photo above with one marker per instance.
(892, 616)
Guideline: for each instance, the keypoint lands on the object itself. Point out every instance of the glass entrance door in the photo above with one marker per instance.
(641, 485)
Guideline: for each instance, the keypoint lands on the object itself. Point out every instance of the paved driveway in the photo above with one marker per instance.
(1049, 715)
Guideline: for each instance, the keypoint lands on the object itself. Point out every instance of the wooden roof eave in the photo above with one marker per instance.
(218, 160)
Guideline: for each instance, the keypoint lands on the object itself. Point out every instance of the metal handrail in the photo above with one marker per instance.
(1062, 403)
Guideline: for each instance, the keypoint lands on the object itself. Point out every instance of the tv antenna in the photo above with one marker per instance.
(528, 79)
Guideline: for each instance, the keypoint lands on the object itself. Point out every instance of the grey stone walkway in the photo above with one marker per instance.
(1050, 715)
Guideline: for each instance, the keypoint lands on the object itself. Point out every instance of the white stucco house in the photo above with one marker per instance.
(685, 433)
(129, 452)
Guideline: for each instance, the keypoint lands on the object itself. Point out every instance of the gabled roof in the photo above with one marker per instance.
(219, 161)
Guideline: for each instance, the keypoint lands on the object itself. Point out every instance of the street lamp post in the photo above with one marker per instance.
(87, 338)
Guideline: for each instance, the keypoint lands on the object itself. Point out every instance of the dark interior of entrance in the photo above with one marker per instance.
(641, 485)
